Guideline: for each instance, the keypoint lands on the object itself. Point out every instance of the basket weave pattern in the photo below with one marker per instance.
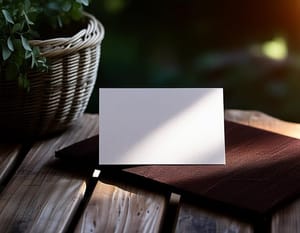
(57, 98)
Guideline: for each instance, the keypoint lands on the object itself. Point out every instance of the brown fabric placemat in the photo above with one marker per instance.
(262, 171)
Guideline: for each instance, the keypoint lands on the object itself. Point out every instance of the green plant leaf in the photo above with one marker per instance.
(33, 61)
(26, 84)
(20, 80)
(23, 82)
(5, 52)
(10, 44)
(17, 27)
(28, 54)
(23, 20)
(28, 21)
(7, 16)
(76, 11)
(83, 2)
(59, 21)
(25, 44)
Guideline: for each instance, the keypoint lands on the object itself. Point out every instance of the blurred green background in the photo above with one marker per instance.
(250, 48)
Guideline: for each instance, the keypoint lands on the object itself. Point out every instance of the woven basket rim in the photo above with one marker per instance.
(91, 35)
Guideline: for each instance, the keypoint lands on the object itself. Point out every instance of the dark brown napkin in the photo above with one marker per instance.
(85, 153)
(262, 170)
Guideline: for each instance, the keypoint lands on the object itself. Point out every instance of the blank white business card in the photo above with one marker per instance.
(140, 126)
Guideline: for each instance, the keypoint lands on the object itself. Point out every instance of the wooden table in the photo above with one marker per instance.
(40, 193)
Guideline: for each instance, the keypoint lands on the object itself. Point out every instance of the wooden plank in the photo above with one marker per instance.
(9, 154)
(44, 194)
(122, 209)
(263, 121)
(194, 219)
(287, 219)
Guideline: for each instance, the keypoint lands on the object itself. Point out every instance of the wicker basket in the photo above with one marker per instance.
(59, 97)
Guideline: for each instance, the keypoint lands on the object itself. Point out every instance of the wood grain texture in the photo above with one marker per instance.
(263, 121)
(287, 220)
(120, 209)
(193, 219)
(8, 156)
(44, 194)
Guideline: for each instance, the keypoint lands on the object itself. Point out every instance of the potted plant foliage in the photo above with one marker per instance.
(49, 59)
